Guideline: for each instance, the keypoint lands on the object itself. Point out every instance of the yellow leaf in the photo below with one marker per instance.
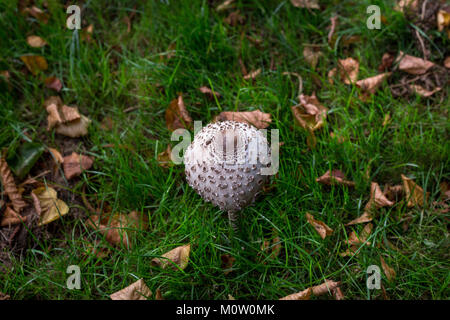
(50, 207)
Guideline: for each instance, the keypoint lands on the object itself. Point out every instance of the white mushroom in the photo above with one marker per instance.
(223, 164)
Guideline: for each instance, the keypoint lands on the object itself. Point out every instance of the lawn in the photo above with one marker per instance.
(123, 75)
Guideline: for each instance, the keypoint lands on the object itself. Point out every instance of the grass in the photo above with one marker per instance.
(119, 70)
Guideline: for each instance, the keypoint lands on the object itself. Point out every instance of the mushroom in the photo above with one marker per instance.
(224, 165)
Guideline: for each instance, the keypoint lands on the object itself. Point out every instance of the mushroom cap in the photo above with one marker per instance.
(223, 164)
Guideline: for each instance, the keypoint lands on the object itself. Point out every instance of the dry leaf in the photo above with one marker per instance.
(227, 263)
(421, 91)
(371, 84)
(136, 291)
(310, 114)
(4, 296)
(10, 217)
(118, 229)
(338, 294)
(335, 177)
(407, 5)
(327, 287)
(235, 18)
(177, 115)
(35, 63)
(388, 271)
(302, 295)
(348, 70)
(365, 217)
(74, 129)
(253, 74)
(443, 20)
(255, 118)
(158, 295)
(37, 13)
(414, 193)
(36, 41)
(331, 74)
(53, 83)
(49, 207)
(310, 4)
(377, 198)
(322, 229)
(209, 93)
(9, 186)
(225, 5)
(312, 56)
(413, 65)
(56, 155)
(75, 164)
(447, 62)
(393, 192)
(386, 62)
(355, 240)
(165, 159)
(179, 256)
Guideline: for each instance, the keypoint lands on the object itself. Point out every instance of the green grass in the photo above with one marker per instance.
(103, 81)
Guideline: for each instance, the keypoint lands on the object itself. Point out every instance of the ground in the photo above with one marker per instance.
(126, 74)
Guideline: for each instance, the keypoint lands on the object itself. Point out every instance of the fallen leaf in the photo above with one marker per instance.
(235, 18)
(406, 5)
(177, 115)
(4, 296)
(37, 13)
(335, 177)
(365, 217)
(443, 20)
(253, 74)
(447, 62)
(322, 229)
(165, 159)
(10, 217)
(302, 295)
(136, 291)
(158, 295)
(49, 207)
(255, 118)
(310, 114)
(74, 129)
(338, 294)
(225, 5)
(312, 56)
(118, 229)
(348, 70)
(327, 287)
(356, 240)
(36, 41)
(179, 256)
(86, 33)
(53, 83)
(377, 199)
(413, 193)
(9, 186)
(421, 91)
(35, 63)
(386, 62)
(56, 155)
(227, 263)
(310, 4)
(388, 271)
(372, 84)
(75, 164)
(393, 192)
(331, 74)
(209, 93)
(413, 65)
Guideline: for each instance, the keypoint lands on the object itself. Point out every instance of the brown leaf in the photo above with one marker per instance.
(447, 62)
(75, 164)
(348, 70)
(35, 63)
(4, 296)
(326, 287)
(36, 41)
(255, 118)
(407, 5)
(177, 115)
(158, 295)
(56, 155)
(10, 217)
(386, 62)
(47, 205)
(9, 186)
(235, 18)
(302, 295)
(393, 192)
(74, 129)
(118, 229)
(338, 294)
(335, 177)
(312, 55)
(414, 193)
(372, 84)
(377, 198)
(310, 114)
(365, 217)
(67, 120)
(421, 91)
(53, 83)
(310, 4)
(136, 291)
(179, 256)
(253, 74)
(37, 13)
(443, 20)
(388, 271)
(355, 240)
(225, 5)
(227, 263)
(413, 65)
(165, 159)
(322, 229)
(209, 93)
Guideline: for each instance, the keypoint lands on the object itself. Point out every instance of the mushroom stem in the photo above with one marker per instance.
(232, 217)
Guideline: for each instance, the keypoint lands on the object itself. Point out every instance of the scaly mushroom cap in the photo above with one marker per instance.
(223, 164)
